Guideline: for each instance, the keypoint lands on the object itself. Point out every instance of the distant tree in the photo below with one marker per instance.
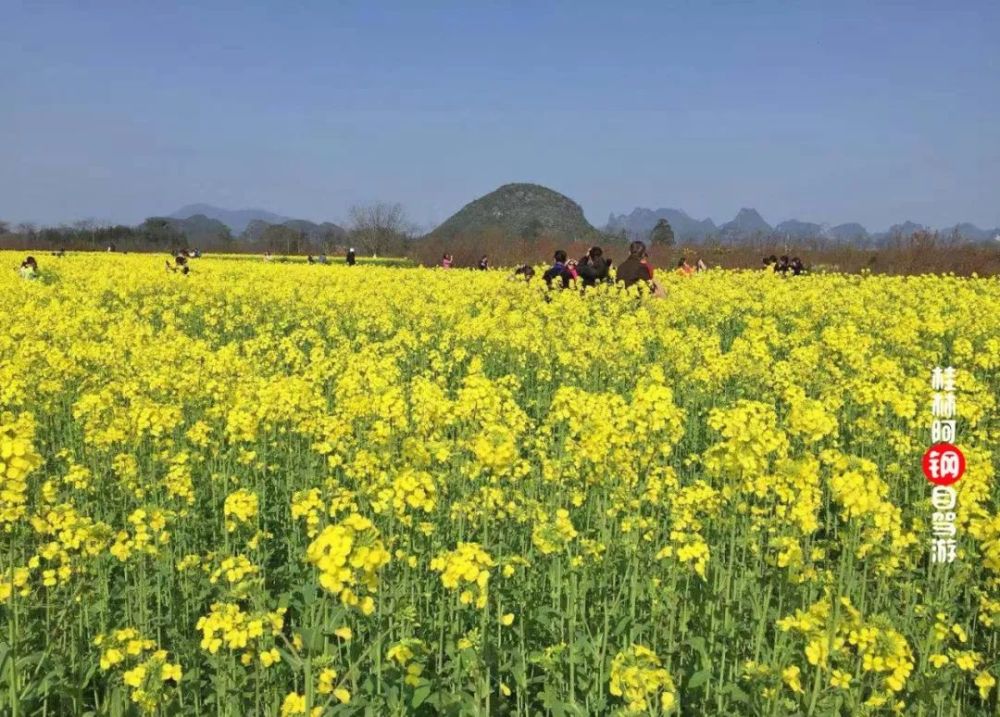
(282, 239)
(4, 227)
(377, 227)
(662, 234)
(27, 229)
(330, 240)
(86, 229)
(223, 240)
(160, 233)
(923, 239)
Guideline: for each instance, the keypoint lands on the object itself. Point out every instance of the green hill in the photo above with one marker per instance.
(520, 211)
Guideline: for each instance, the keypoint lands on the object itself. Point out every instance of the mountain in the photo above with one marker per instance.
(970, 232)
(746, 222)
(795, 229)
(236, 219)
(851, 231)
(315, 232)
(640, 222)
(905, 229)
(198, 229)
(519, 210)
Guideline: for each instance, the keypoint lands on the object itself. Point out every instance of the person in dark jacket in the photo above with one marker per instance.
(636, 268)
(484, 263)
(593, 268)
(351, 258)
(525, 271)
(558, 270)
(180, 264)
(797, 266)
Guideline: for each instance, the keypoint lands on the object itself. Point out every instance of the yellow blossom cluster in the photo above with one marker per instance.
(348, 556)
(466, 568)
(638, 677)
(145, 669)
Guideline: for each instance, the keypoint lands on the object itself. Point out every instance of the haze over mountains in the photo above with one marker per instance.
(526, 210)
(236, 219)
(203, 220)
(749, 223)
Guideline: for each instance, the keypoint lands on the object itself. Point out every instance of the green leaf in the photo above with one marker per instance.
(420, 695)
(698, 679)
(735, 692)
(697, 643)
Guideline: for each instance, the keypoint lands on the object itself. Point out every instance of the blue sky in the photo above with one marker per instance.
(836, 111)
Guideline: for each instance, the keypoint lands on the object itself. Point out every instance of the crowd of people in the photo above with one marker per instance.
(784, 265)
(594, 268)
(589, 270)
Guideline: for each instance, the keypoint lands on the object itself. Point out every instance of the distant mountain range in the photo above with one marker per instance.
(236, 219)
(198, 228)
(749, 223)
(529, 210)
(327, 230)
(200, 220)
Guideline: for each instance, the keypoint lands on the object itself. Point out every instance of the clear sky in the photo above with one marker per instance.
(830, 111)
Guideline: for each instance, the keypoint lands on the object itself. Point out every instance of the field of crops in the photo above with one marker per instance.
(267, 489)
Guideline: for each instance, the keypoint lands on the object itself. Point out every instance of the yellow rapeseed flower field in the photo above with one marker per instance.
(267, 489)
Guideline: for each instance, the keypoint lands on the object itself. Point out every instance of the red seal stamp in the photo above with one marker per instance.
(943, 464)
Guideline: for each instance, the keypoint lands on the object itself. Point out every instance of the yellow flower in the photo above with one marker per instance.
(985, 682)
(170, 672)
(840, 679)
(293, 704)
(967, 661)
(791, 677)
(270, 657)
(135, 676)
(342, 694)
(507, 620)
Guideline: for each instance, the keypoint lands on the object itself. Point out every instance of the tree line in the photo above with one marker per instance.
(376, 229)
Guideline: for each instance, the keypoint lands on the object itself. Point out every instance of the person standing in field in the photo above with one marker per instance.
(683, 268)
(351, 258)
(636, 268)
(558, 270)
(446, 261)
(484, 263)
(593, 268)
